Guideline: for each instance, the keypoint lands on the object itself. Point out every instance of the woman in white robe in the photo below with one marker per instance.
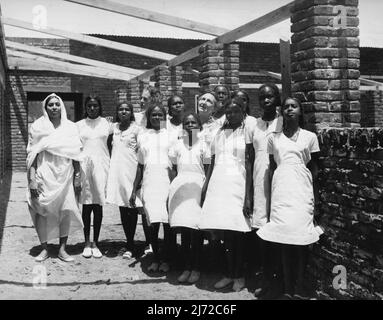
(53, 155)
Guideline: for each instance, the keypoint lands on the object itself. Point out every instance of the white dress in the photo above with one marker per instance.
(94, 135)
(140, 119)
(292, 198)
(123, 166)
(174, 132)
(256, 133)
(223, 206)
(210, 129)
(57, 201)
(185, 189)
(153, 153)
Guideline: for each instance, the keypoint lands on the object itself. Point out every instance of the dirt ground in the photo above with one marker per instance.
(110, 278)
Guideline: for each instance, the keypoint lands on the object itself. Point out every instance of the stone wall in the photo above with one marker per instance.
(351, 212)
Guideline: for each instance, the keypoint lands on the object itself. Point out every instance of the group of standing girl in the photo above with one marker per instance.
(218, 174)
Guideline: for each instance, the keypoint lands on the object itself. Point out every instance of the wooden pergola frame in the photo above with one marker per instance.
(107, 70)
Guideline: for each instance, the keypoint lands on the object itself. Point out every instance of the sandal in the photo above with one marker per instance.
(66, 257)
(127, 255)
(42, 256)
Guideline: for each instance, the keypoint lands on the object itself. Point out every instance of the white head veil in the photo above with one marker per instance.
(63, 141)
(62, 107)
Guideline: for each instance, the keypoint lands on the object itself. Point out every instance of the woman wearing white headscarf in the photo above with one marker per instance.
(53, 155)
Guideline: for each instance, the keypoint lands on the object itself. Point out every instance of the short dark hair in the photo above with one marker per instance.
(229, 102)
(171, 100)
(301, 120)
(223, 86)
(275, 89)
(235, 95)
(92, 97)
(195, 115)
(149, 111)
(130, 106)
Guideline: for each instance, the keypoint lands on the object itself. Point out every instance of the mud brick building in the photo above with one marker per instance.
(327, 64)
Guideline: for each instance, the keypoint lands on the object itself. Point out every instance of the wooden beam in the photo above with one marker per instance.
(91, 40)
(30, 65)
(271, 74)
(3, 54)
(87, 69)
(73, 58)
(370, 82)
(152, 16)
(284, 50)
(251, 27)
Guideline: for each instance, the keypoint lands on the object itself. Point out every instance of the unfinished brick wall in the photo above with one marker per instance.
(371, 108)
(351, 207)
(325, 61)
(16, 113)
(219, 65)
(169, 81)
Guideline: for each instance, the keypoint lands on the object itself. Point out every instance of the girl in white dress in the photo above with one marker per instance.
(293, 167)
(154, 170)
(176, 109)
(94, 131)
(149, 95)
(222, 94)
(257, 201)
(223, 193)
(122, 171)
(189, 157)
(53, 155)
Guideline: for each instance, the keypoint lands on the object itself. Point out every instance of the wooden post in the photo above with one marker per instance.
(284, 48)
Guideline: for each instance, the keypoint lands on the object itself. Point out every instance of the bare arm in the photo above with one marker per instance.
(32, 180)
(313, 167)
(76, 177)
(173, 172)
(109, 144)
(137, 182)
(208, 176)
(249, 195)
(272, 167)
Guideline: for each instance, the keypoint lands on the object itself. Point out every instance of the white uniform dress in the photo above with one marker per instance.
(140, 119)
(94, 135)
(257, 133)
(292, 198)
(210, 129)
(174, 132)
(153, 153)
(123, 166)
(185, 189)
(223, 206)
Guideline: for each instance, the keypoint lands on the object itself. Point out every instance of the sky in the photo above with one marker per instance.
(228, 14)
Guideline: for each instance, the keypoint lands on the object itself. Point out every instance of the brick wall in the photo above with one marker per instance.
(371, 108)
(18, 84)
(351, 211)
(325, 62)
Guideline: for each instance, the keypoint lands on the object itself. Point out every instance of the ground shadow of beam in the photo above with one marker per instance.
(5, 190)
(89, 283)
